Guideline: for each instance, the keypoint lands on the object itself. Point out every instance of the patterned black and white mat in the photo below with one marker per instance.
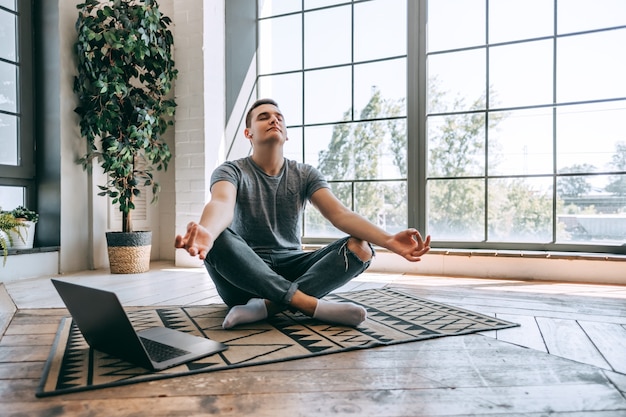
(393, 317)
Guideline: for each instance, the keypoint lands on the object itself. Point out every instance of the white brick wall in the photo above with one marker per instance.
(199, 128)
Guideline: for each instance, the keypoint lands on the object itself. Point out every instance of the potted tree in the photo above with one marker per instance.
(125, 74)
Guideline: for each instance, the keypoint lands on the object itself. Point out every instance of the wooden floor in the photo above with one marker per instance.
(568, 358)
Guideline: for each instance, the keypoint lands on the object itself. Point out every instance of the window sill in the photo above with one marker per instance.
(530, 254)
(33, 250)
(590, 256)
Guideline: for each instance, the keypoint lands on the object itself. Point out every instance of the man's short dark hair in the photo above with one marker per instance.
(256, 104)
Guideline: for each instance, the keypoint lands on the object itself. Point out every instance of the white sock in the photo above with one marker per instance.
(340, 313)
(253, 310)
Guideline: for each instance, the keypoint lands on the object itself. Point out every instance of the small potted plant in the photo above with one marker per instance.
(9, 226)
(23, 239)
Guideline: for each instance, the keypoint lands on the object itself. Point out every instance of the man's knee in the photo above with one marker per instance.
(360, 248)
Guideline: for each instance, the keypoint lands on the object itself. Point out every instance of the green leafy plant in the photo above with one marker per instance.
(22, 212)
(8, 223)
(125, 73)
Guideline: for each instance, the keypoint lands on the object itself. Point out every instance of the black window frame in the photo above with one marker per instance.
(417, 100)
(23, 174)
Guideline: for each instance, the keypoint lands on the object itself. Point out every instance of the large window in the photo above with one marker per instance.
(16, 117)
(494, 124)
(525, 123)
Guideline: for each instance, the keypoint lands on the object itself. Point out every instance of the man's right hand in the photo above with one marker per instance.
(197, 241)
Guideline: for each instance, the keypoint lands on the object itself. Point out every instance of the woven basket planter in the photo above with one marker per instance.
(129, 253)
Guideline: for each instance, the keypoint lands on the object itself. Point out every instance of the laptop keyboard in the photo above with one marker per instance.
(160, 352)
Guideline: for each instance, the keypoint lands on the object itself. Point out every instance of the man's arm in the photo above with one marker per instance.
(216, 217)
(408, 243)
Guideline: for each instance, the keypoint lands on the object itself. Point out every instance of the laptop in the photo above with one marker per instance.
(105, 326)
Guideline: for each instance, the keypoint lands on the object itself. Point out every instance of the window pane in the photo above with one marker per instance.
(315, 225)
(11, 197)
(382, 203)
(580, 15)
(327, 95)
(7, 36)
(521, 74)
(316, 141)
(327, 37)
(280, 44)
(293, 147)
(456, 145)
(8, 87)
(520, 210)
(286, 89)
(455, 24)
(591, 66)
(590, 137)
(389, 38)
(592, 209)
(572, 189)
(9, 151)
(520, 142)
(454, 90)
(347, 151)
(9, 4)
(456, 209)
(386, 79)
(269, 8)
(509, 19)
(314, 4)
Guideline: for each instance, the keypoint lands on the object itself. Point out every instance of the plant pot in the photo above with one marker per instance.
(28, 234)
(6, 238)
(129, 253)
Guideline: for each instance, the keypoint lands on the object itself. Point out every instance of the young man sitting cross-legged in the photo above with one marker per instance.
(249, 233)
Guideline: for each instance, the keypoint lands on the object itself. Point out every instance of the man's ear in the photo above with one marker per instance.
(247, 133)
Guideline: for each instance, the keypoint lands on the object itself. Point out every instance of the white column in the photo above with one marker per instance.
(199, 128)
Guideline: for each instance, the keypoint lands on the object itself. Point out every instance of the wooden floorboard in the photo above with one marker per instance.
(579, 347)
(7, 309)
(610, 340)
(566, 359)
(531, 337)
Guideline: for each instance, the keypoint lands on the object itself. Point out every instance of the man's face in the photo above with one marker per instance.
(267, 123)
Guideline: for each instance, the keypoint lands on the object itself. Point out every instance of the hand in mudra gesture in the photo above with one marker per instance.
(409, 244)
(197, 241)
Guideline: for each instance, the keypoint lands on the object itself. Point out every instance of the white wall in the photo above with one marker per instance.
(76, 196)
(516, 266)
(201, 112)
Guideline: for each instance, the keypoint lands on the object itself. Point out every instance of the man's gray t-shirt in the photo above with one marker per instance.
(268, 210)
